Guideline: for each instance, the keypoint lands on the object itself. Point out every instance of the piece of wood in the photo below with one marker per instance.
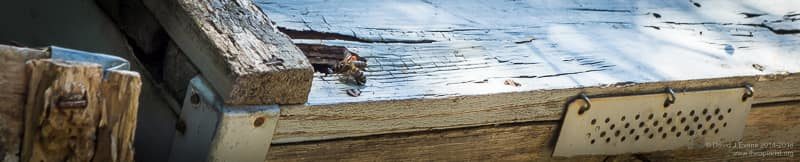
(319, 122)
(238, 49)
(63, 109)
(13, 88)
(444, 64)
(529, 141)
(120, 97)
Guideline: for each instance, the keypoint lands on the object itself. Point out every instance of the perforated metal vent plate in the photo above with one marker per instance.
(641, 123)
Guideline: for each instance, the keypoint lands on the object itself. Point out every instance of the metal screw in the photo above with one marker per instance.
(180, 126)
(748, 93)
(259, 121)
(585, 107)
(671, 98)
(195, 99)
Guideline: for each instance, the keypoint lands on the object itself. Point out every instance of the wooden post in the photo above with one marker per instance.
(13, 85)
(237, 48)
(73, 114)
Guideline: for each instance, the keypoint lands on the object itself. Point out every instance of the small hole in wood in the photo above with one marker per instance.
(631, 131)
(651, 136)
(650, 117)
(678, 134)
(592, 142)
(691, 113)
(611, 127)
(655, 123)
(716, 131)
(664, 115)
(622, 139)
(691, 132)
(686, 128)
(669, 121)
(660, 129)
(641, 124)
(603, 134)
(725, 124)
(637, 117)
(729, 110)
(672, 129)
(683, 119)
(705, 111)
(720, 117)
(699, 126)
(608, 140)
(616, 133)
(716, 111)
(696, 119)
(608, 120)
(712, 126)
(627, 125)
(636, 138)
(622, 118)
(594, 121)
(680, 112)
(708, 118)
(664, 135)
(646, 130)
(703, 132)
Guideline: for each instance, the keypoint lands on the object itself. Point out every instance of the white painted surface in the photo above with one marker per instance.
(480, 44)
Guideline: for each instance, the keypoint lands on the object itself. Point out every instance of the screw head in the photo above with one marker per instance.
(195, 99)
(259, 121)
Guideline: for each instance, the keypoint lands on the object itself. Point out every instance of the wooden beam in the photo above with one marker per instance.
(319, 122)
(63, 110)
(13, 87)
(73, 114)
(117, 127)
(529, 141)
(246, 59)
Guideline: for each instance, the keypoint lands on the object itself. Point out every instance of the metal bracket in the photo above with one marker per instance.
(209, 130)
(643, 123)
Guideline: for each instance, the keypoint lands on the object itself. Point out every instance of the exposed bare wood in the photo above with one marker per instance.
(242, 54)
(530, 141)
(318, 122)
(120, 98)
(13, 88)
(63, 110)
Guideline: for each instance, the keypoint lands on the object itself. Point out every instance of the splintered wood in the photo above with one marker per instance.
(13, 85)
(73, 114)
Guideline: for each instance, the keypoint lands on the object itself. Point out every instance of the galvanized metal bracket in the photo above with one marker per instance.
(209, 130)
(653, 122)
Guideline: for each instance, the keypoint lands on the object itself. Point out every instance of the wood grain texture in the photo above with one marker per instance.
(63, 109)
(120, 97)
(13, 88)
(438, 64)
(319, 122)
(529, 141)
(246, 59)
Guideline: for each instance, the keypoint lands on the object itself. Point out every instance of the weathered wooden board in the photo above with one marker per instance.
(13, 85)
(116, 130)
(238, 49)
(534, 141)
(440, 64)
(63, 109)
(74, 114)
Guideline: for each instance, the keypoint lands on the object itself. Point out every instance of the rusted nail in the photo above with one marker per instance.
(72, 101)
(259, 121)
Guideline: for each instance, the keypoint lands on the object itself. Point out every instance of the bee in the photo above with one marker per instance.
(338, 60)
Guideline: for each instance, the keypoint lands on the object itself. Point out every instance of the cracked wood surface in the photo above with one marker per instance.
(13, 88)
(439, 64)
(237, 48)
(535, 141)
